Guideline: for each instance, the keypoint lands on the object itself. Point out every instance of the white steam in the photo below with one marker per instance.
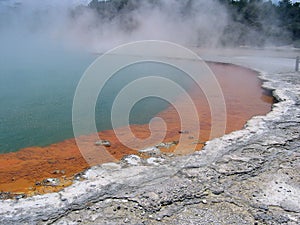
(185, 22)
(196, 23)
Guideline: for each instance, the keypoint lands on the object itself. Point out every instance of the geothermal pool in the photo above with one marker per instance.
(36, 130)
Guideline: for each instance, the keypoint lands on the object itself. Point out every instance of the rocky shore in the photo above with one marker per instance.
(246, 177)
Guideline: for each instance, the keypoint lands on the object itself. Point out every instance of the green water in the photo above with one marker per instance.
(36, 98)
(37, 88)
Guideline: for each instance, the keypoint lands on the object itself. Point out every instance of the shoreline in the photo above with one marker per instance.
(69, 162)
(236, 179)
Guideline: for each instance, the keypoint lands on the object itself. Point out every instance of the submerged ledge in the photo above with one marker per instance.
(247, 176)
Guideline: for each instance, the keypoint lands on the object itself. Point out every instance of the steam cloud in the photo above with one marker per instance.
(186, 22)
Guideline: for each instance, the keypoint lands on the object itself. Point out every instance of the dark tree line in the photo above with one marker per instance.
(252, 22)
(259, 21)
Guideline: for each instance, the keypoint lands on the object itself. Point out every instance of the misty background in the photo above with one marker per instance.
(100, 25)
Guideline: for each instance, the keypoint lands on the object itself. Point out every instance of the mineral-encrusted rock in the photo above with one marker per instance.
(111, 166)
(166, 145)
(58, 172)
(151, 151)
(104, 143)
(51, 182)
(155, 161)
(5, 195)
(132, 160)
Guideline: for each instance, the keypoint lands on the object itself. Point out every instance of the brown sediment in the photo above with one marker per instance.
(23, 171)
